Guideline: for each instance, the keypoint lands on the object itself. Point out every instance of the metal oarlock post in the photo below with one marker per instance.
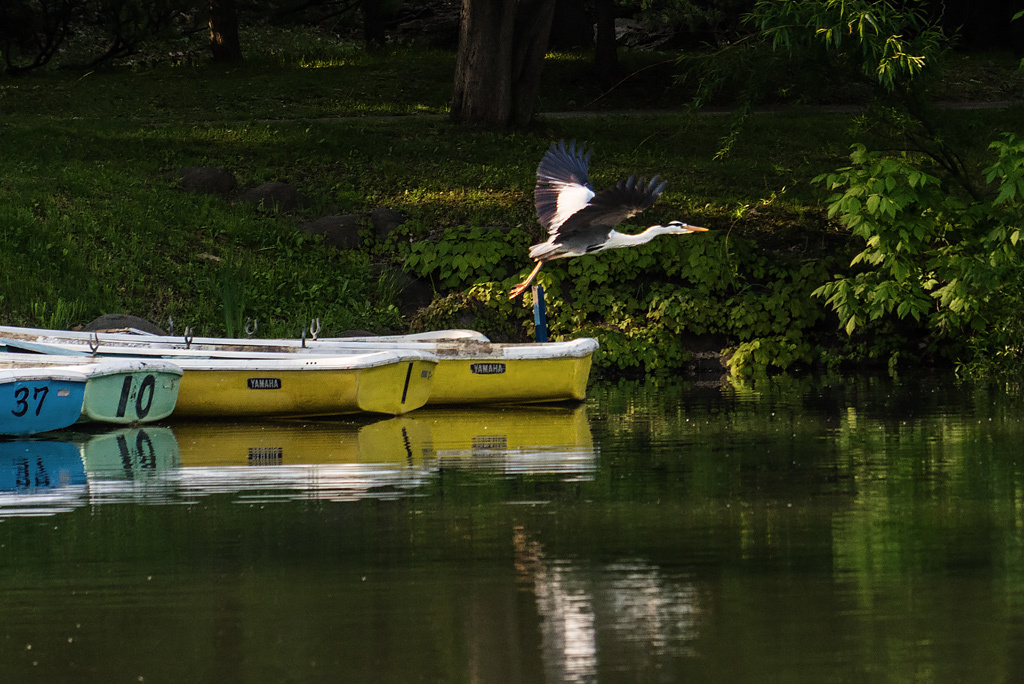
(540, 316)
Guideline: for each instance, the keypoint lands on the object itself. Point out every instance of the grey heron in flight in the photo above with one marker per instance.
(580, 221)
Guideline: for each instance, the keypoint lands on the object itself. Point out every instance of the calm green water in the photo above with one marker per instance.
(797, 531)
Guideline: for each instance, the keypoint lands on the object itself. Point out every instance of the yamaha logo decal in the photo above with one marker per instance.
(486, 368)
(264, 383)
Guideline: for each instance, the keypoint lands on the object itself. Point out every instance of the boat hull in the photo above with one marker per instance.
(128, 397)
(33, 401)
(393, 388)
(487, 380)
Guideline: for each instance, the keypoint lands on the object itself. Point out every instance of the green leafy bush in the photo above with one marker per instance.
(647, 305)
(953, 263)
(464, 256)
(708, 286)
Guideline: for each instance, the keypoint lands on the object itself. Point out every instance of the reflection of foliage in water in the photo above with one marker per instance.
(887, 502)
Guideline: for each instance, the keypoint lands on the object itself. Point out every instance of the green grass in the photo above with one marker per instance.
(200, 94)
(91, 221)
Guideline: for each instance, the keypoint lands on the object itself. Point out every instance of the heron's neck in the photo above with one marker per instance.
(617, 239)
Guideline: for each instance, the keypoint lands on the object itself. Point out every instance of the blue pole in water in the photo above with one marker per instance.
(540, 315)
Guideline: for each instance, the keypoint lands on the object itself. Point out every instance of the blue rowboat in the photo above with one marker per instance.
(39, 399)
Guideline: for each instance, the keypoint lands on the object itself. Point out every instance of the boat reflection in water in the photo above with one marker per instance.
(40, 477)
(323, 460)
(329, 461)
(339, 461)
(513, 440)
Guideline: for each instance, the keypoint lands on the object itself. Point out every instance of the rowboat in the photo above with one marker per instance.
(471, 369)
(269, 384)
(452, 335)
(38, 399)
(119, 391)
(457, 335)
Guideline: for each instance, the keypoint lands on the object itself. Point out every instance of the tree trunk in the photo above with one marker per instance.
(501, 53)
(224, 31)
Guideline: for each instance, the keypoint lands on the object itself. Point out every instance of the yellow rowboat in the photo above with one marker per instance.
(493, 373)
(471, 370)
(392, 382)
(228, 384)
(118, 391)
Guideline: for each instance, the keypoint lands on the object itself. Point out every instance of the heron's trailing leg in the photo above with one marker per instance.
(521, 287)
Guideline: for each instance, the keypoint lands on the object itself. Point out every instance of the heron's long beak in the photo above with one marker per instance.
(684, 228)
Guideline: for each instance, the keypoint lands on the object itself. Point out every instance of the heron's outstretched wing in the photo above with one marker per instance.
(610, 207)
(563, 186)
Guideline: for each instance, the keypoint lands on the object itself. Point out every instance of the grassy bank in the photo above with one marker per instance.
(91, 220)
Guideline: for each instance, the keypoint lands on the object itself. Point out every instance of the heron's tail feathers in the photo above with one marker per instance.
(544, 251)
